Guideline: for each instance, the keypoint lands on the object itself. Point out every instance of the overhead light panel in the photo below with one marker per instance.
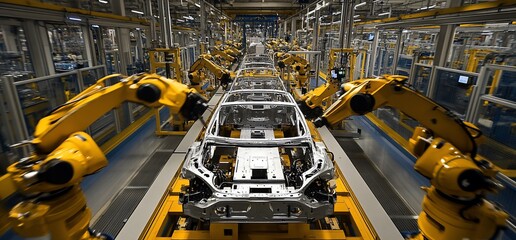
(75, 19)
(197, 5)
(357, 20)
(137, 12)
(356, 16)
(425, 8)
(384, 13)
(360, 4)
(103, 1)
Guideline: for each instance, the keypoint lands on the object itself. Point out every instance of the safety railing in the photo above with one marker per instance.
(419, 78)
(188, 57)
(493, 110)
(30, 100)
(404, 65)
(384, 61)
(452, 88)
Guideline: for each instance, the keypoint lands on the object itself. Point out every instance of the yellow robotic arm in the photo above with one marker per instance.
(363, 96)
(234, 44)
(203, 62)
(288, 59)
(311, 103)
(299, 64)
(50, 177)
(223, 54)
(454, 206)
(231, 51)
(81, 111)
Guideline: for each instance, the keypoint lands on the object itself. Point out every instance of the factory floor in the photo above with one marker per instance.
(124, 162)
(115, 192)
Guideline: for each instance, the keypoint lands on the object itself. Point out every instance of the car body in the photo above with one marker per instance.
(257, 160)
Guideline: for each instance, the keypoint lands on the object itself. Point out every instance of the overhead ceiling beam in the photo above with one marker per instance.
(233, 12)
(474, 13)
(260, 5)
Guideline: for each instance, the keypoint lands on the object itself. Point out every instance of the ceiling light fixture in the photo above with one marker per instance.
(384, 13)
(424, 8)
(103, 1)
(75, 19)
(360, 4)
(137, 12)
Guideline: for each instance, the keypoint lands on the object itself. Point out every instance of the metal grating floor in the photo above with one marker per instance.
(150, 169)
(113, 219)
(402, 216)
(116, 214)
(170, 143)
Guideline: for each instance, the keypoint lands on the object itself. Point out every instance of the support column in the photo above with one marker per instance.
(397, 52)
(285, 32)
(374, 52)
(315, 34)
(343, 12)
(244, 38)
(153, 38)
(276, 29)
(168, 22)
(162, 25)
(88, 42)
(445, 38)
(9, 38)
(293, 28)
(233, 29)
(124, 47)
(225, 31)
(304, 20)
(349, 24)
(39, 47)
(139, 45)
(203, 22)
(123, 38)
(123, 115)
(444, 44)
(18, 127)
(118, 7)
